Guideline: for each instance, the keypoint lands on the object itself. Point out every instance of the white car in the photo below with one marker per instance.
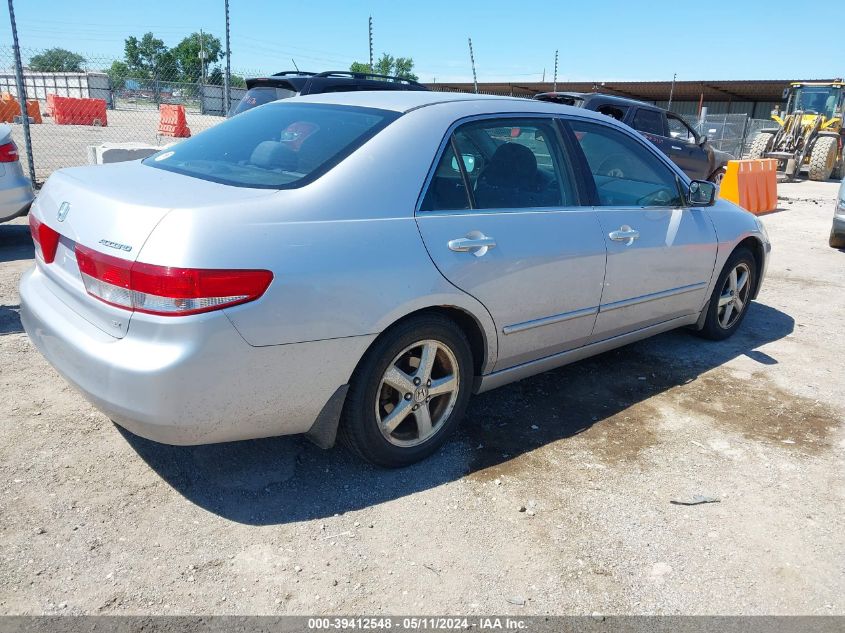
(15, 189)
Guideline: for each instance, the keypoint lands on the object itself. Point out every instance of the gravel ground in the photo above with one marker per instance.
(554, 498)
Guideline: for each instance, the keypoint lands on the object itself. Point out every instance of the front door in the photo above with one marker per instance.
(684, 149)
(660, 253)
(502, 221)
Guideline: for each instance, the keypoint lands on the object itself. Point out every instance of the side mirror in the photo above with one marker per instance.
(701, 193)
(469, 163)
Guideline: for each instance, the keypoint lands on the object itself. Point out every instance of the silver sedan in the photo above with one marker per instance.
(15, 189)
(361, 263)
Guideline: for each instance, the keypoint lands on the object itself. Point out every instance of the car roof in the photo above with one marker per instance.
(600, 96)
(402, 101)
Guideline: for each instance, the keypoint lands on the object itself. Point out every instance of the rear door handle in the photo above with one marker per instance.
(475, 242)
(624, 234)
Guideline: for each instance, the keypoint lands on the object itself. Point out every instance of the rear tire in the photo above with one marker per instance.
(389, 417)
(731, 296)
(760, 145)
(823, 158)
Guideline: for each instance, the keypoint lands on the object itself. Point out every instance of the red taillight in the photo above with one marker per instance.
(164, 290)
(8, 152)
(46, 239)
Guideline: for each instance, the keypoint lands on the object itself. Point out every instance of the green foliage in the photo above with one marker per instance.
(187, 55)
(358, 67)
(57, 60)
(388, 65)
(118, 74)
(148, 57)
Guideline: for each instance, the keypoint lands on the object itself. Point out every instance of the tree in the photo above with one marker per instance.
(358, 67)
(118, 74)
(57, 60)
(388, 65)
(149, 57)
(187, 55)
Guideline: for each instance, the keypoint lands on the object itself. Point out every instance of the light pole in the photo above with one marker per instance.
(227, 75)
(27, 139)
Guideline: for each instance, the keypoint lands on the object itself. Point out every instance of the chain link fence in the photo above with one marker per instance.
(731, 133)
(131, 100)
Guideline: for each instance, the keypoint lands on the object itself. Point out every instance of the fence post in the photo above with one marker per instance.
(744, 136)
(27, 139)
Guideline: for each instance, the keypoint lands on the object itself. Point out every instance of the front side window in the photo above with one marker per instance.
(278, 146)
(507, 164)
(649, 121)
(625, 172)
(678, 129)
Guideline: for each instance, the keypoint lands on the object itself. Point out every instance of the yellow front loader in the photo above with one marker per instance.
(810, 133)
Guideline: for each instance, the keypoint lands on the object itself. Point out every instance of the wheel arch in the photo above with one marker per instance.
(482, 341)
(755, 245)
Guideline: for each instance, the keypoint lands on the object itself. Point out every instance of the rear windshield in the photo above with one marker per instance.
(277, 146)
(260, 96)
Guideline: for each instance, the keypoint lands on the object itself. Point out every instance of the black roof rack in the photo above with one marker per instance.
(357, 75)
(293, 72)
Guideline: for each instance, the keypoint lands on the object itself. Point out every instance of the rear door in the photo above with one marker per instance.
(503, 221)
(660, 252)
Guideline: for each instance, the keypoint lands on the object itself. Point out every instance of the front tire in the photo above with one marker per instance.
(731, 296)
(823, 158)
(409, 392)
(760, 145)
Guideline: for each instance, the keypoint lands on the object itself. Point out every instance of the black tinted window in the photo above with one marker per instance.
(649, 121)
(446, 191)
(509, 163)
(259, 96)
(279, 146)
(626, 173)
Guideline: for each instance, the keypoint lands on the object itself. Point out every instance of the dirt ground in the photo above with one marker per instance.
(554, 498)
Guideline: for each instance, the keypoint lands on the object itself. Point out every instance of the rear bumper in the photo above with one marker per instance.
(191, 380)
(838, 227)
(16, 200)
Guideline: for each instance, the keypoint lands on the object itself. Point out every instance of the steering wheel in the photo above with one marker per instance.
(659, 198)
(614, 166)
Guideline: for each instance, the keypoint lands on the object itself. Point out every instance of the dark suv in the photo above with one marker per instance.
(668, 131)
(292, 83)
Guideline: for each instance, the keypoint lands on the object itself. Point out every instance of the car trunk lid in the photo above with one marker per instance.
(113, 209)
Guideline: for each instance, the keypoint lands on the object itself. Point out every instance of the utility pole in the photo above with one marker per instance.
(371, 43)
(471, 60)
(554, 89)
(27, 139)
(672, 91)
(202, 57)
(228, 74)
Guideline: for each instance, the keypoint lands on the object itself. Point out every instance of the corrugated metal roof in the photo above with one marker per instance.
(712, 90)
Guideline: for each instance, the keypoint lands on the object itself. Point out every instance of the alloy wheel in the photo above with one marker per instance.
(417, 393)
(734, 296)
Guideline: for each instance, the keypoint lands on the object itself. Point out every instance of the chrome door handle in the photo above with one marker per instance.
(475, 242)
(624, 234)
(677, 148)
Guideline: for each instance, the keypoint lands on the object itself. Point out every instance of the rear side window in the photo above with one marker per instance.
(507, 163)
(649, 121)
(278, 146)
(626, 173)
(259, 96)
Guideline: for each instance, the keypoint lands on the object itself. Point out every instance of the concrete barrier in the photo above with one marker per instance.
(119, 152)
